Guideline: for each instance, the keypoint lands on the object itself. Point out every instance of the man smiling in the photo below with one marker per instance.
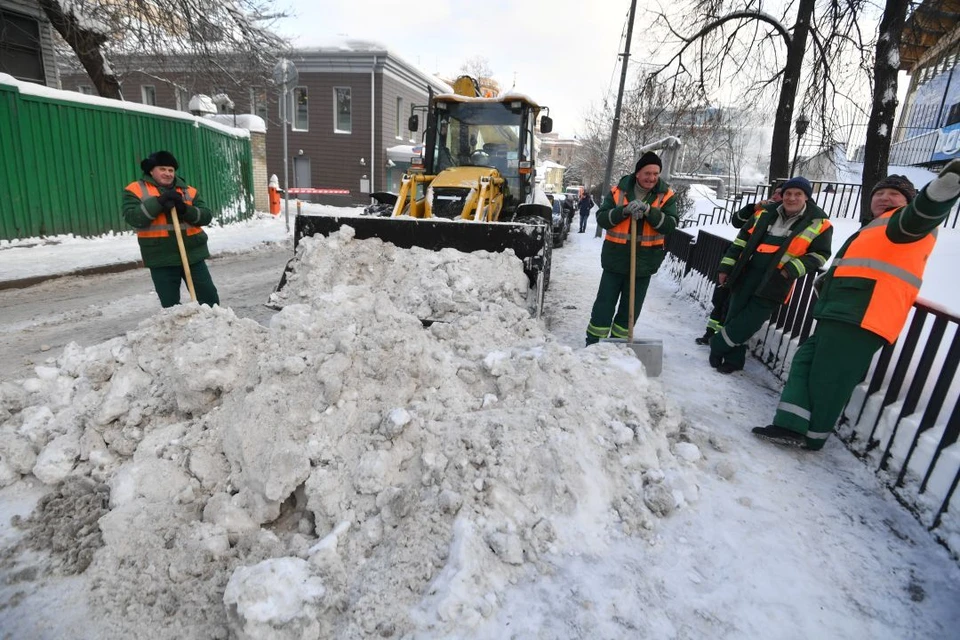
(780, 244)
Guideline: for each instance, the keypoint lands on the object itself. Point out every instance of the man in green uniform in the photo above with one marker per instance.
(147, 204)
(864, 302)
(721, 293)
(781, 243)
(641, 196)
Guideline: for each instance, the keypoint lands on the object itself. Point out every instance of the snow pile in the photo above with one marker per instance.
(345, 472)
(432, 285)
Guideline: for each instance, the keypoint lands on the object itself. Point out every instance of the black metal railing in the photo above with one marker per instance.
(904, 418)
(840, 200)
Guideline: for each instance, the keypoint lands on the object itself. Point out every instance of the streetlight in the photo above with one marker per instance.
(801, 128)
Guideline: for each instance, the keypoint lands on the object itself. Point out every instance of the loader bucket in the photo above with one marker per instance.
(528, 241)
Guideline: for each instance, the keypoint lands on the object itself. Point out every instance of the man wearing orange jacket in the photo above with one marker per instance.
(642, 196)
(864, 302)
(147, 203)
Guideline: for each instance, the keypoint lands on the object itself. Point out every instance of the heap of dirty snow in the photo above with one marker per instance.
(344, 472)
(432, 285)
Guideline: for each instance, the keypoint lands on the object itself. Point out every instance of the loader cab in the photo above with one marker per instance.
(482, 132)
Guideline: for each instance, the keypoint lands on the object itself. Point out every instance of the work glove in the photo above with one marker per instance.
(946, 186)
(172, 199)
(636, 209)
(169, 198)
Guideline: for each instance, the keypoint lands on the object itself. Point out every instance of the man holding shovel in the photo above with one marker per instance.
(646, 201)
(168, 215)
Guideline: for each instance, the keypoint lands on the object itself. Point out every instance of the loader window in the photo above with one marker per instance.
(480, 134)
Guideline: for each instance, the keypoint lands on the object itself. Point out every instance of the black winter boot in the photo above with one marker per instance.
(726, 367)
(780, 435)
(706, 337)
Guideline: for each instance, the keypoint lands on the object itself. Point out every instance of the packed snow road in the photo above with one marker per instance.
(37, 322)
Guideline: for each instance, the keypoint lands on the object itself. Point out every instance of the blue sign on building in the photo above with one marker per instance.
(948, 143)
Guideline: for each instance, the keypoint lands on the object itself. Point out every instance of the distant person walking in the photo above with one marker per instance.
(781, 243)
(864, 301)
(146, 206)
(641, 196)
(585, 206)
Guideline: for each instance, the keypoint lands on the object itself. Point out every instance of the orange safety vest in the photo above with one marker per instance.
(161, 227)
(800, 243)
(649, 237)
(897, 270)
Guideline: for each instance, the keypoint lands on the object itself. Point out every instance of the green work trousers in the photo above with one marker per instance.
(614, 293)
(166, 280)
(746, 315)
(823, 373)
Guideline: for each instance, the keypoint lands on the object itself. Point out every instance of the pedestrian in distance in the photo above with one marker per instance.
(720, 300)
(648, 200)
(781, 243)
(567, 206)
(147, 204)
(585, 206)
(864, 301)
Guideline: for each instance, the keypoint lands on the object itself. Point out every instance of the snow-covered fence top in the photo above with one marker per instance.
(67, 158)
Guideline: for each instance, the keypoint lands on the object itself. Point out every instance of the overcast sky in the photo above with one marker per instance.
(563, 53)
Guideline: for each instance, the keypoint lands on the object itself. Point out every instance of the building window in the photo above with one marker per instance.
(148, 94)
(183, 99)
(258, 103)
(399, 117)
(301, 118)
(85, 89)
(20, 52)
(343, 122)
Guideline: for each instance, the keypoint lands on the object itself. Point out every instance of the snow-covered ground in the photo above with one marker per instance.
(346, 472)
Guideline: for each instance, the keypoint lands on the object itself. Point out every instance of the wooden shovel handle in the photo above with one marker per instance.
(183, 255)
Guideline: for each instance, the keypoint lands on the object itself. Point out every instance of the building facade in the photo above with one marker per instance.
(929, 127)
(349, 107)
(26, 43)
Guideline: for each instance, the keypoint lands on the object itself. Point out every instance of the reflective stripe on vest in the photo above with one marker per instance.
(799, 246)
(649, 237)
(160, 227)
(897, 270)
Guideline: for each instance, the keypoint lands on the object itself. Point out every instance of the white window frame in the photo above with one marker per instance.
(86, 90)
(294, 109)
(399, 118)
(259, 108)
(336, 112)
(182, 97)
(145, 90)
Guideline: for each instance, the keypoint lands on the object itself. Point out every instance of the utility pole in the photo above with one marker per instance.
(614, 132)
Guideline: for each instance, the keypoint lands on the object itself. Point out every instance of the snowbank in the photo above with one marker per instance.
(344, 472)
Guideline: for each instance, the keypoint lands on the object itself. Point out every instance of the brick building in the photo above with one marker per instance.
(350, 106)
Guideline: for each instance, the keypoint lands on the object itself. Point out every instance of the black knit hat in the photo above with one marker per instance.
(159, 159)
(648, 158)
(798, 182)
(899, 183)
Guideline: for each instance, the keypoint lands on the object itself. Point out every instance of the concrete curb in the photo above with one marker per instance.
(23, 283)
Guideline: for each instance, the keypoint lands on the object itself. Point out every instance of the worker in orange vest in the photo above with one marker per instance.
(146, 206)
(644, 197)
(865, 299)
(273, 189)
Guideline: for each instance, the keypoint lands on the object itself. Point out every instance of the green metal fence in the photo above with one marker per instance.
(64, 160)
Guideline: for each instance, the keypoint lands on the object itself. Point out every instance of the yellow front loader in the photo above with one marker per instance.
(474, 187)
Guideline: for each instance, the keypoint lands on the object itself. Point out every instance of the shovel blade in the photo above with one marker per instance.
(648, 350)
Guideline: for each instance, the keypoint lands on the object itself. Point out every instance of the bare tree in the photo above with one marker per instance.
(876, 153)
(477, 67)
(211, 32)
(810, 66)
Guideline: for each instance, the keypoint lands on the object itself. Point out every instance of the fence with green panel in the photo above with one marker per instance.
(65, 159)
